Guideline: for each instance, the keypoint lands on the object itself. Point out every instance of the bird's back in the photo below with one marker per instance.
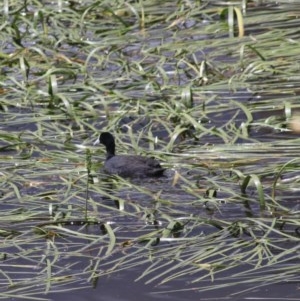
(133, 166)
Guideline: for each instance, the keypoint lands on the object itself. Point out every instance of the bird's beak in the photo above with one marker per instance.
(96, 142)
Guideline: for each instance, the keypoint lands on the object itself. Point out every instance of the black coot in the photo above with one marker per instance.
(131, 166)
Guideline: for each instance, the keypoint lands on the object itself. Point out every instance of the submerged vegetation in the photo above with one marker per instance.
(209, 88)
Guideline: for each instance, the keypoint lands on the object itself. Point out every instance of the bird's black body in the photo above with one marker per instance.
(131, 166)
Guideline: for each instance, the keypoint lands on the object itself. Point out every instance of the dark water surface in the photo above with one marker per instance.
(195, 234)
(123, 287)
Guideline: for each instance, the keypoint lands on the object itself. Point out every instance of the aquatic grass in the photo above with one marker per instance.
(169, 83)
(259, 188)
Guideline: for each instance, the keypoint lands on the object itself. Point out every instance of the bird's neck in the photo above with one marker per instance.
(110, 151)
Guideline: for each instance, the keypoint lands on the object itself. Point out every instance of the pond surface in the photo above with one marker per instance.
(172, 81)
